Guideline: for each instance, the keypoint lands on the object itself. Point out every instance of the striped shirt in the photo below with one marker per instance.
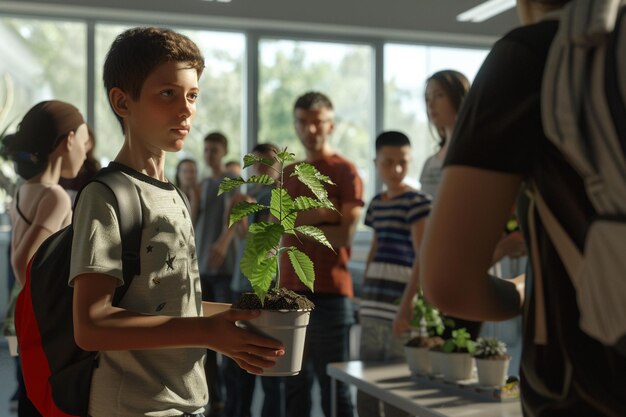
(391, 265)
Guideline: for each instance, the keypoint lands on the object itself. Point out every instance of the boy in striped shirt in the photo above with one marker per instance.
(397, 217)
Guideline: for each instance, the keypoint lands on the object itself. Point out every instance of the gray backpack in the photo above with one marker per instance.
(584, 116)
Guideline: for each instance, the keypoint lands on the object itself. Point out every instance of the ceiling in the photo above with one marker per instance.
(433, 20)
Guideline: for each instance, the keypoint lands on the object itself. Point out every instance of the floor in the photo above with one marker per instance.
(7, 378)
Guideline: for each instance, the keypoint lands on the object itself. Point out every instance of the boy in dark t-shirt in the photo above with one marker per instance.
(499, 145)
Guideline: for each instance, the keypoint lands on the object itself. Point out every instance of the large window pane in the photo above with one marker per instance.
(406, 70)
(41, 60)
(342, 71)
(219, 106)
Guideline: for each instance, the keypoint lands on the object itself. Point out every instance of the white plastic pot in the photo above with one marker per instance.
(418, 359)
(457, 366)
(289, 327)
(492, 372)
(436, 362)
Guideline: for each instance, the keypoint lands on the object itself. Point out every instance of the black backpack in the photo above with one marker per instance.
(57, 373)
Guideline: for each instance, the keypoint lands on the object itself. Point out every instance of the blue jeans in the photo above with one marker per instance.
(327, 340)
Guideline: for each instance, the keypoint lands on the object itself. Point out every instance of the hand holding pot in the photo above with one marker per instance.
(251, 351)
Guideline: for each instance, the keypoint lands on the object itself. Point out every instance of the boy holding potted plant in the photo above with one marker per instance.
(152, 346)
(397, 217)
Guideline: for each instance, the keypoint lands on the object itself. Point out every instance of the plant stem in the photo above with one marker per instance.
(280, 213)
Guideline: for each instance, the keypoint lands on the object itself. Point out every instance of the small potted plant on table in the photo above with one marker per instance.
(285, 314)
(492, 361)
(459, 362)
(429, 326)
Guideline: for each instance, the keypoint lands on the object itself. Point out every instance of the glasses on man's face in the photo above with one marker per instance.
(303, 123)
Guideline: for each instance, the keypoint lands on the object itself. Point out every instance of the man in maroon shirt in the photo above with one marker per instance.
(328, 331)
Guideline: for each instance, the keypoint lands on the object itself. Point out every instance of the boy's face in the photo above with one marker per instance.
(392, 164)
(162, 115)
(214, 152)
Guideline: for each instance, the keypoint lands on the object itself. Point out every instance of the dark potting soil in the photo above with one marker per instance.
(276, 299)
(427, 342)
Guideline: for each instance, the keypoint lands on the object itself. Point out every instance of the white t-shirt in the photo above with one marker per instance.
(153, 382)
(431, 176)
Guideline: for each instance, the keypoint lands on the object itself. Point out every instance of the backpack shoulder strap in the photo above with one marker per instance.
(129, 215)
(185, 199)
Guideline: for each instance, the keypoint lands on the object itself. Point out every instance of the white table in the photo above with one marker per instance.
(392, 384)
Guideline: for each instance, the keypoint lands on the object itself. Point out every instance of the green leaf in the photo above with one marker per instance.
(229, 184)
(285, 156)
(253, 159)
(315, 233)
(448, 346)
(306, 203)
(258, 279)
(281, 205)
(303, 266)
(244, 209)
(267, 231)
(259, 253)
(261, 179)
(312, 178)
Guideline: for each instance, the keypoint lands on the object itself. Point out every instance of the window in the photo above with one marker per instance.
(219, 106)
(342, 71)
(41, 60)
(406, 69)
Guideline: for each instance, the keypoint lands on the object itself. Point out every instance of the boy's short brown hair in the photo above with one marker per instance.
(136, 52)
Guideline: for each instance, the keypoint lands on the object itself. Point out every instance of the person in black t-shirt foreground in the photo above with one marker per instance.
(497, 147)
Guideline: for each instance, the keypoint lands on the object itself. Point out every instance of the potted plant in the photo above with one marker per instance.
(492, 361)
(430, 326)
(285, 314)
(459, 362)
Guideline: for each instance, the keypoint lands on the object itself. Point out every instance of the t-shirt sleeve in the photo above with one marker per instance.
(369, 214)
(350, 186)
(96, 245)
(499, 125)
(420, 209)
(53, 209)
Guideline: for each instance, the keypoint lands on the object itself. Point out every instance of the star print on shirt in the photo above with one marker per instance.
(149, 248)
(170, 261)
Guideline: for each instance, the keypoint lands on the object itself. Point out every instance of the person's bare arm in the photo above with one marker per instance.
(471, 208)
(402, 321)
(511, 245)
(341, 234)
(320, 215)
(100, 326)
(370, 255)
(219, 249)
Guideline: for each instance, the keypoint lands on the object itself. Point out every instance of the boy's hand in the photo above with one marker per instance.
(251, 351)
(402, 322)
(217, 254)
(511, 245)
